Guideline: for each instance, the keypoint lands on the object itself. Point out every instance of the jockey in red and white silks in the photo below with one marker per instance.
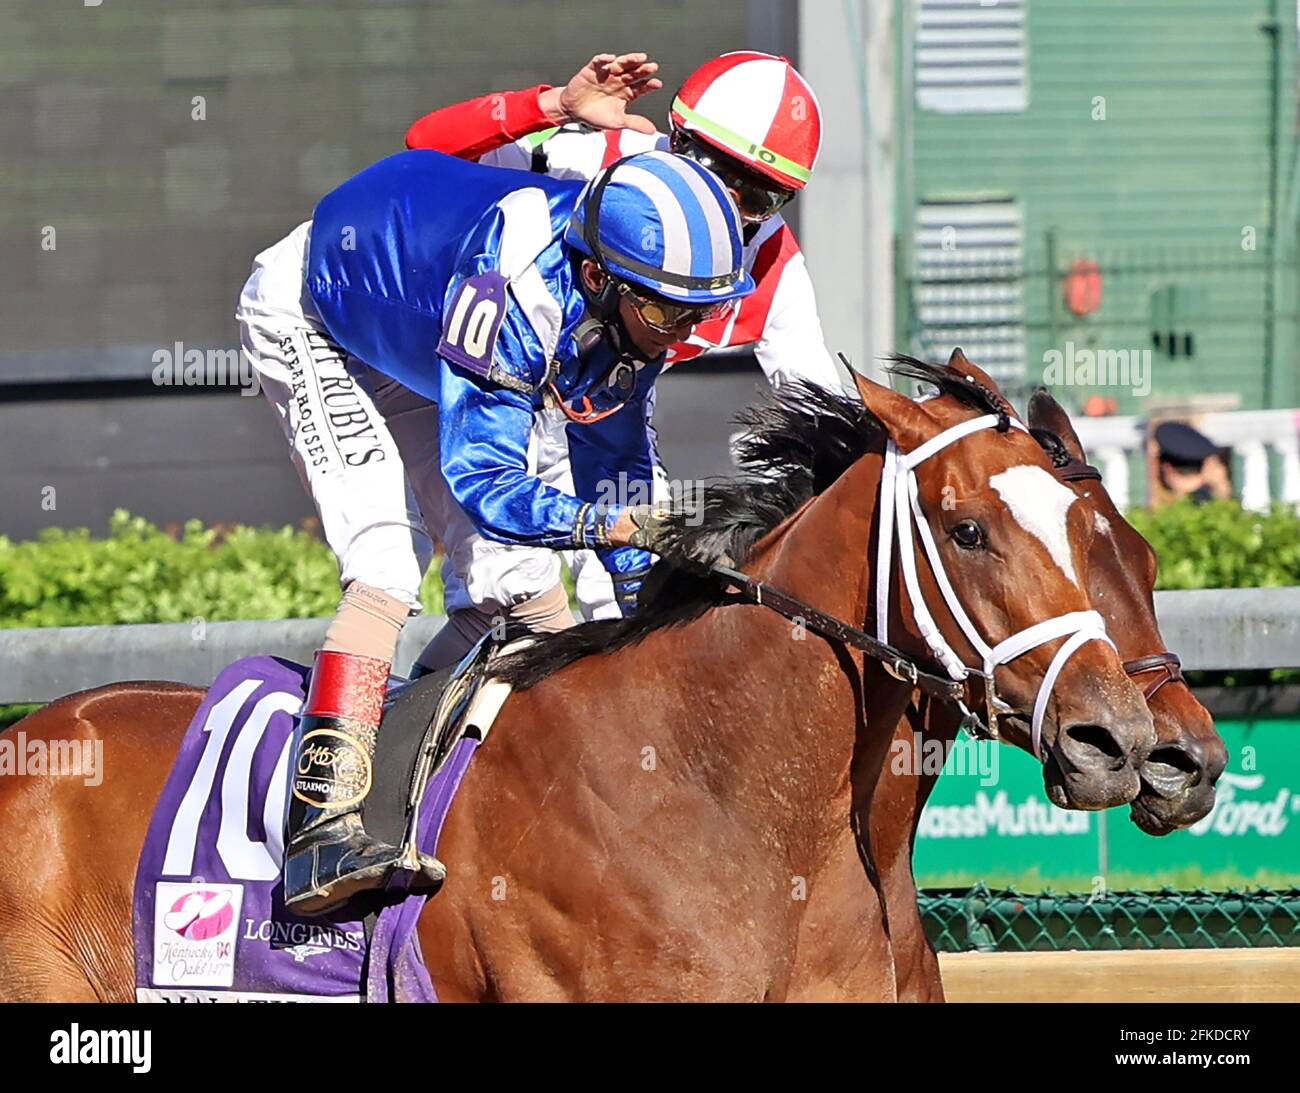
(751, 119)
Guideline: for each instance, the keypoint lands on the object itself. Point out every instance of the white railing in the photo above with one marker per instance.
(1209, 628)
(1252, 434)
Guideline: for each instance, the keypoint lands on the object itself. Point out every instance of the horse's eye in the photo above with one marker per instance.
(968, 535)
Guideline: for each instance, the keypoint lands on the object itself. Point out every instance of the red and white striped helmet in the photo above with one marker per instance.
(757, 108)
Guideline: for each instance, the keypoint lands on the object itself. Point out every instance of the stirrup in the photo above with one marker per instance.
(329, 855)
(335, 860)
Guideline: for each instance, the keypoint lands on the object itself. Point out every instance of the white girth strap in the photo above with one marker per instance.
(900, 513)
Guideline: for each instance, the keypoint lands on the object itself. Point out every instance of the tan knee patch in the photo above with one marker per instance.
(547, 613)
(367, 623)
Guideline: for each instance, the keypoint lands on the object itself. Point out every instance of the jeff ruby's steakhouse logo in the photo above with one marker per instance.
(328, 411)
(333, 771)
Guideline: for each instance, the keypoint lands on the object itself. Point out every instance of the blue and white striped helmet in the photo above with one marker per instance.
(663, 222)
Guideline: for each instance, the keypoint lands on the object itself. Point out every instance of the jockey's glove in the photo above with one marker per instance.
(658, 533)
(653, 529)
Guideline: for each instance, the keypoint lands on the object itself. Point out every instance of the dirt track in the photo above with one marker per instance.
(1181, 975)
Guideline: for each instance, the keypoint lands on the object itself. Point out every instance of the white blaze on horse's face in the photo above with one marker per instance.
(1040, 505)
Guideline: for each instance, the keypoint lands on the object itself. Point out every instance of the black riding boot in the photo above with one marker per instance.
(329, 857)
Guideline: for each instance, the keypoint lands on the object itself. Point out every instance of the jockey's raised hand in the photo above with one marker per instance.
(601, 91)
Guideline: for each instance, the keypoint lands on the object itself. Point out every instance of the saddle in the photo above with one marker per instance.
(424, 720)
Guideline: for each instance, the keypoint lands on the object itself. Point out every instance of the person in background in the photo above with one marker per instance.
(1189, 464)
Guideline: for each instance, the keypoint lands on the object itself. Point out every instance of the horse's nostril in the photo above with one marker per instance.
(1089, 766)
(1175, 757)
(1100, 740)
(1172, 769)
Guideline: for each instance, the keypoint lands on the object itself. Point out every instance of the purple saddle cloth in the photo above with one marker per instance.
(210, 922)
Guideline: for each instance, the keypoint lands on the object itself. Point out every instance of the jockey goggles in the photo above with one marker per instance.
(669, 316)
(756, 198)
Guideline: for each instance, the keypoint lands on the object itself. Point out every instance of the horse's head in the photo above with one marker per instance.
(981, 559)
(1179, 775)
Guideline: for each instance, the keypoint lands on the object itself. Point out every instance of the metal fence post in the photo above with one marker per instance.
(1050, 283)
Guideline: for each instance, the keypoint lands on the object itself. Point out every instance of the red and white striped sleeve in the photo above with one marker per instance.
(487, 126)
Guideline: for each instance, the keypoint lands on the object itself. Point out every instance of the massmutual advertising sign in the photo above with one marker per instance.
(989, 814)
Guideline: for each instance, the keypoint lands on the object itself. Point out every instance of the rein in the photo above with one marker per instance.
(897, 663)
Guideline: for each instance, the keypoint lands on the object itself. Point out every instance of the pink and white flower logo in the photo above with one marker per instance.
(194, 928)
(200, 914)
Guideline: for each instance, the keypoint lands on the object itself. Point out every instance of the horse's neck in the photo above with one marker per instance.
(820, 554)
(794, 742)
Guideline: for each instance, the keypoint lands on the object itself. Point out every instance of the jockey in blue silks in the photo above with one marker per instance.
(408, 337)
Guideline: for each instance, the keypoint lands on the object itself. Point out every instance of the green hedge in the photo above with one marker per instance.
(139, 573)
(1221, 545)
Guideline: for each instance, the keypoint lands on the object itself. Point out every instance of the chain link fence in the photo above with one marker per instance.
(981, 919)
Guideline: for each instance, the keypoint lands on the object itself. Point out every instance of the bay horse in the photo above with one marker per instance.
(1177, 778)
(1179, 775)
(667, 799)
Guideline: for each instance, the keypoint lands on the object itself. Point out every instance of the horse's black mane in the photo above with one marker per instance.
(952, 381)
(797, 443)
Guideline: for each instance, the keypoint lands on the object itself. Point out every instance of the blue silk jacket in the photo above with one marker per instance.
(452, 278)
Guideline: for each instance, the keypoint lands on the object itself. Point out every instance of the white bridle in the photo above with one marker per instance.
(900, 510)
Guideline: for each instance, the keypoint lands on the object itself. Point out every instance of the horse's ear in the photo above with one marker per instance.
(958, 360)
(960, 363)
(1046, 413)
(908, 423)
